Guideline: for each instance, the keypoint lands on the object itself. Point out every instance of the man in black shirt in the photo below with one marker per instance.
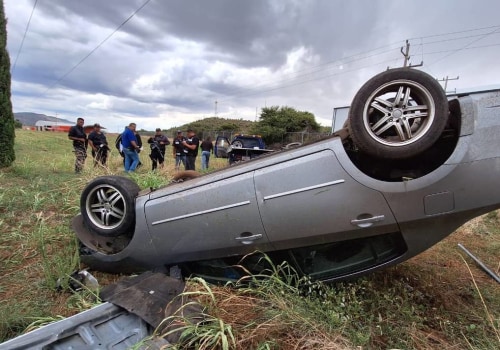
(99, 144)
(179, 150)
(158, 143)
(77, 134)
(191, 143)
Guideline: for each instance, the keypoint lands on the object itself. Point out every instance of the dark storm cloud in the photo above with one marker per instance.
(244, 33)
(177, 57)
(248, 33)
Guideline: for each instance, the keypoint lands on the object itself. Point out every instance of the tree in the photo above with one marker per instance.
(7, 133)
(276, 121)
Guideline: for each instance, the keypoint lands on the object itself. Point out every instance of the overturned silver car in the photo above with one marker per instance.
(411, 166)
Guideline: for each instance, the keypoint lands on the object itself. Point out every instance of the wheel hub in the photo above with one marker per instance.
(397, 113)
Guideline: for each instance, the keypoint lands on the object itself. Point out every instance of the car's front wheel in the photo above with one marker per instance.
(398, 114)
(107, 205)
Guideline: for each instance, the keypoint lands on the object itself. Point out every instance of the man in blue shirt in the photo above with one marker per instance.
(130, 148)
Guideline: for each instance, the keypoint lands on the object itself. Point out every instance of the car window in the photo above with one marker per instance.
(336, 259)
(222, 142)
(250, 143)
(321, 262)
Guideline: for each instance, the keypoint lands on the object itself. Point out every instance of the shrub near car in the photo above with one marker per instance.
(411, 167)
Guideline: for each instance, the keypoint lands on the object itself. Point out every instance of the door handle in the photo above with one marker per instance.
(368, 221)
(248, 239)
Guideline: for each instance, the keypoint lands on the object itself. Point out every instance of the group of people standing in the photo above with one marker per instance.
(185, 148)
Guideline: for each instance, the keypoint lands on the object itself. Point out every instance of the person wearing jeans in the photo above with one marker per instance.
(130, 148)
(179, 151)
(206, 148)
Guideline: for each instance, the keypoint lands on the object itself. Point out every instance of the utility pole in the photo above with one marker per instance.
(446, 81)
(407, 56)
(216, 108)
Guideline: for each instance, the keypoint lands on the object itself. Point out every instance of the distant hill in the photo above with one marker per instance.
(215, 123)
(28, 118)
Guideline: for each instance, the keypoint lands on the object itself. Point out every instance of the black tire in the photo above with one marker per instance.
(398, 114)
(293, 145)
(107, 204)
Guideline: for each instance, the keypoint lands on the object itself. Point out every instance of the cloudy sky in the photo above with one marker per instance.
(164, 63)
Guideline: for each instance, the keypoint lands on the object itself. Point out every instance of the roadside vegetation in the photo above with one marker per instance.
(274, 124)
(437, 300)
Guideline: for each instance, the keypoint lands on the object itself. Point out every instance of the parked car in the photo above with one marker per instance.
(409, 169)
(222, 143)
(243, 147)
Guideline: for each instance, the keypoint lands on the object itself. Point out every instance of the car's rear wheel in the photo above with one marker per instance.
(108, 205)
(398, 114)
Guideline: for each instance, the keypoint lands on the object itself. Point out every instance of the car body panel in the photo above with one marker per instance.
(322, 201)
(182, 225)
(105, 326)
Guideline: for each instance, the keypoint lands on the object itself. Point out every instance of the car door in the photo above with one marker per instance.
(219, 218)
(221, 145)
(311, 200)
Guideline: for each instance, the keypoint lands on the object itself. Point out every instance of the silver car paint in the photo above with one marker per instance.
(315, 194)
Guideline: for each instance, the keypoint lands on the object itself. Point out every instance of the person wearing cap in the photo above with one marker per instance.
(179, 150)
(158, 144)
(79, 138)
(191, 143)
(99, 145)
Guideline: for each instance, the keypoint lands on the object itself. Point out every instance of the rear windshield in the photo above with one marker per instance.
(250, 142)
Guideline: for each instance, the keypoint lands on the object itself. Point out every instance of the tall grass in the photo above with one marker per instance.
(278, 309)
(39, 195)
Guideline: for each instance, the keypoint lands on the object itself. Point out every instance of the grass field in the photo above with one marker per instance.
(437, 300)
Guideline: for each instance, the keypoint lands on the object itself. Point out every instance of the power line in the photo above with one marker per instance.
(278, 87)
(24, 36)
(294, 80)
(467, 45)
(98, 46)
(457, 32)
(316, 69)
(311, 71)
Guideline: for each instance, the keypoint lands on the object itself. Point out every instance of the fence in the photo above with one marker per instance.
(290, 137)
